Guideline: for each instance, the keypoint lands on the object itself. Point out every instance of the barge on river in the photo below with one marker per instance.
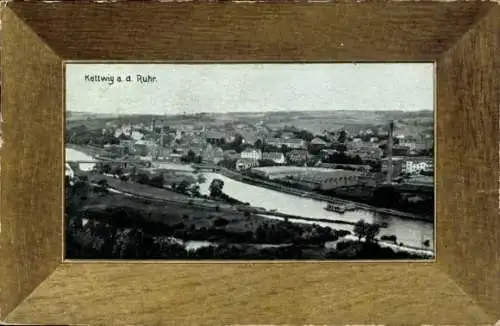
(340, 208)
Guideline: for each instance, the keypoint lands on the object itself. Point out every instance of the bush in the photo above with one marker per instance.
(221, 222)
(389, 238)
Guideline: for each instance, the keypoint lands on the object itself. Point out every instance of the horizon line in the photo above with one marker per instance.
(248, 112)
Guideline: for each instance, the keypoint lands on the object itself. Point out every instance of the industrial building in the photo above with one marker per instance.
(397, 166)
(251, 154)
(277, 172)
(416, 164)
(310, 178)
(290, 143)
(329, 180)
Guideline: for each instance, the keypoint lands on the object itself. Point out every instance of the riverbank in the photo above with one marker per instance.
(91, 151)
(128, 222)
(159, 196)
(233, 234)
(298, 209)
(166, 196)
(122, 238)
(87, 150)
(309, 194)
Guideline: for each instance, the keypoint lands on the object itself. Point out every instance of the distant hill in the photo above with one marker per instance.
(314, 121)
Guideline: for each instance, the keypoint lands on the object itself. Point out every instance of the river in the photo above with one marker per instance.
(409, 232)
(74, 155)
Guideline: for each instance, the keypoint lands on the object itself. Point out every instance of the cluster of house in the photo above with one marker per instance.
(251, 157)
(175, 142)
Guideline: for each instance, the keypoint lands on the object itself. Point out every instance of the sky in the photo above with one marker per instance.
(244, 87)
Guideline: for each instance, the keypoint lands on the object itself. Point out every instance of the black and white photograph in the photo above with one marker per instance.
(249, 161)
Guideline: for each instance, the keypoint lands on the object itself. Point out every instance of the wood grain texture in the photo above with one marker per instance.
(468, 164)
(185, 31)
(461, 36)
(211, 294)
(30, 241)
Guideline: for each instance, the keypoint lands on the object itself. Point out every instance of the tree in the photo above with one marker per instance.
(142, 178)
(118, 171)
(200, 178)
(195, 190)
(216, 187)
(182, 186)
(157, 181)
(342, 137)
(304, 135)
(198, 159)
(392, 238)
(124, 137)
(106, 169)
(366, 230)
(221, 222)
(191, 156)
(103, 186)
(266, 162)
(258, 144)
(228, 163)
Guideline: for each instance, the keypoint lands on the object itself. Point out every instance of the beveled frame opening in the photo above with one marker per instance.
(461, 287)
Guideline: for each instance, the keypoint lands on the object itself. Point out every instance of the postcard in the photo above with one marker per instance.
(249, 161)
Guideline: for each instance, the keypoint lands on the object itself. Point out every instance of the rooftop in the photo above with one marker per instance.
(251, 150)
(318, 141)
(215, 135)
(282, 140)
(272, 155)
(295, 169)
(421, 181)
(394, 158)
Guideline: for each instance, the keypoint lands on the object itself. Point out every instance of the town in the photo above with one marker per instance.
(383, 169)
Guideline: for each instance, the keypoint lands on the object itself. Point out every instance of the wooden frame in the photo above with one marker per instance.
(461, 287)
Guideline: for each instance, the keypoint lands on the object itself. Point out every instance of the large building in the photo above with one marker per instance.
(292, 143)
(416, 164)
(215, 137)
(244, 164)
(330, 180)
(318, 142)
(276, 157)
(310, 178)
(252, 154)
(297, 156)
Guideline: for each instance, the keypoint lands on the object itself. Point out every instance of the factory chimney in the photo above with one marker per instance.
(161, 139)
(389, 152)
